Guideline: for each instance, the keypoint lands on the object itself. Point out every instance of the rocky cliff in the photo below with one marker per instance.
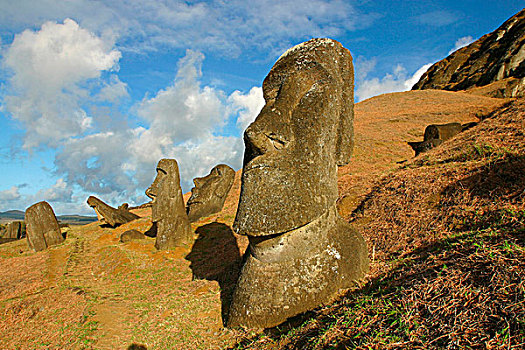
(496, 59)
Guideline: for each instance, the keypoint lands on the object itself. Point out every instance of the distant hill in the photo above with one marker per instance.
(493, 65)
(18, 215)
(12, 215)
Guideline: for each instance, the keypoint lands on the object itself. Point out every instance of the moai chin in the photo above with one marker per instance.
(42, 230)
(301, 252)
(168, 210)
(210, 192)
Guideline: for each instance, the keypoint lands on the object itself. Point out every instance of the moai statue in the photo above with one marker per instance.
(42, 229)
(14, 230)
(108, 215)
(301, 252)
(209, 193)
(168, 211)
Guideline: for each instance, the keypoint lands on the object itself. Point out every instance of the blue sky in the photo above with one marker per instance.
(94, 93)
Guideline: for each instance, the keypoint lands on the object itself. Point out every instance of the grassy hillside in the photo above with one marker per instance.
(446, 233)
(94, 292)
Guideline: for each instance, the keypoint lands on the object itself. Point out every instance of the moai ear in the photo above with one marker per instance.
(345, 130)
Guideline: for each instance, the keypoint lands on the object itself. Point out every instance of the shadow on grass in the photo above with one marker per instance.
(215, 257)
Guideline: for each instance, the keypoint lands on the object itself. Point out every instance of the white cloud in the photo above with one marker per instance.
(10, 195)
(437, 18)
(114, 90)
(59, 192)
(183, 110)
(49, 70)
(248, 106)
(462, 42)
(363, 67)
(228, 27)
(396, 81)
(183, 121)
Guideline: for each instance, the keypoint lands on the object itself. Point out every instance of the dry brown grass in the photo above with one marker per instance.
(446, 234)
(94, 292)
(383, 126)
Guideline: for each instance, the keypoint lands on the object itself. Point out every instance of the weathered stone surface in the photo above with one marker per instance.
(42, 230)
(304, 129)
(168, 210)
(301, 253)
(209, 193)
(494, 57)
(14, 230)
(442, 132)
(130, 235)
(108, 215)
(436, 134)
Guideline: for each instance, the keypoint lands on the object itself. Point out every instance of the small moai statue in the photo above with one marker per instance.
(42, 229)
(168, 212)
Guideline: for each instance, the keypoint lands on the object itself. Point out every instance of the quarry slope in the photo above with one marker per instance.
(446, 235)
(94, 292)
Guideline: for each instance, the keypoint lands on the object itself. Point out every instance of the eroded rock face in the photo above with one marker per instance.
(14, 230)
(42, 229)
(301, 253)
(497, 56)
(168, 210)
(209, 193)
(108, 215)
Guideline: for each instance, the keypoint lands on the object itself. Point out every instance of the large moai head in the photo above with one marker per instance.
(209, 193)
(42, 230)
(300, 136)
(301, 252)
(14, 230)
(168, 210)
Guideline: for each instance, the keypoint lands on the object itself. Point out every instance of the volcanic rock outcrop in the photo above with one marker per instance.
(42, 230)
(497, 56)
(14, 230)
(301, 252)
(108, 215)
(209, 193)
(168, 212)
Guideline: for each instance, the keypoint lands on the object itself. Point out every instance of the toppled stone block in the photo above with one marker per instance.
(108, 215)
